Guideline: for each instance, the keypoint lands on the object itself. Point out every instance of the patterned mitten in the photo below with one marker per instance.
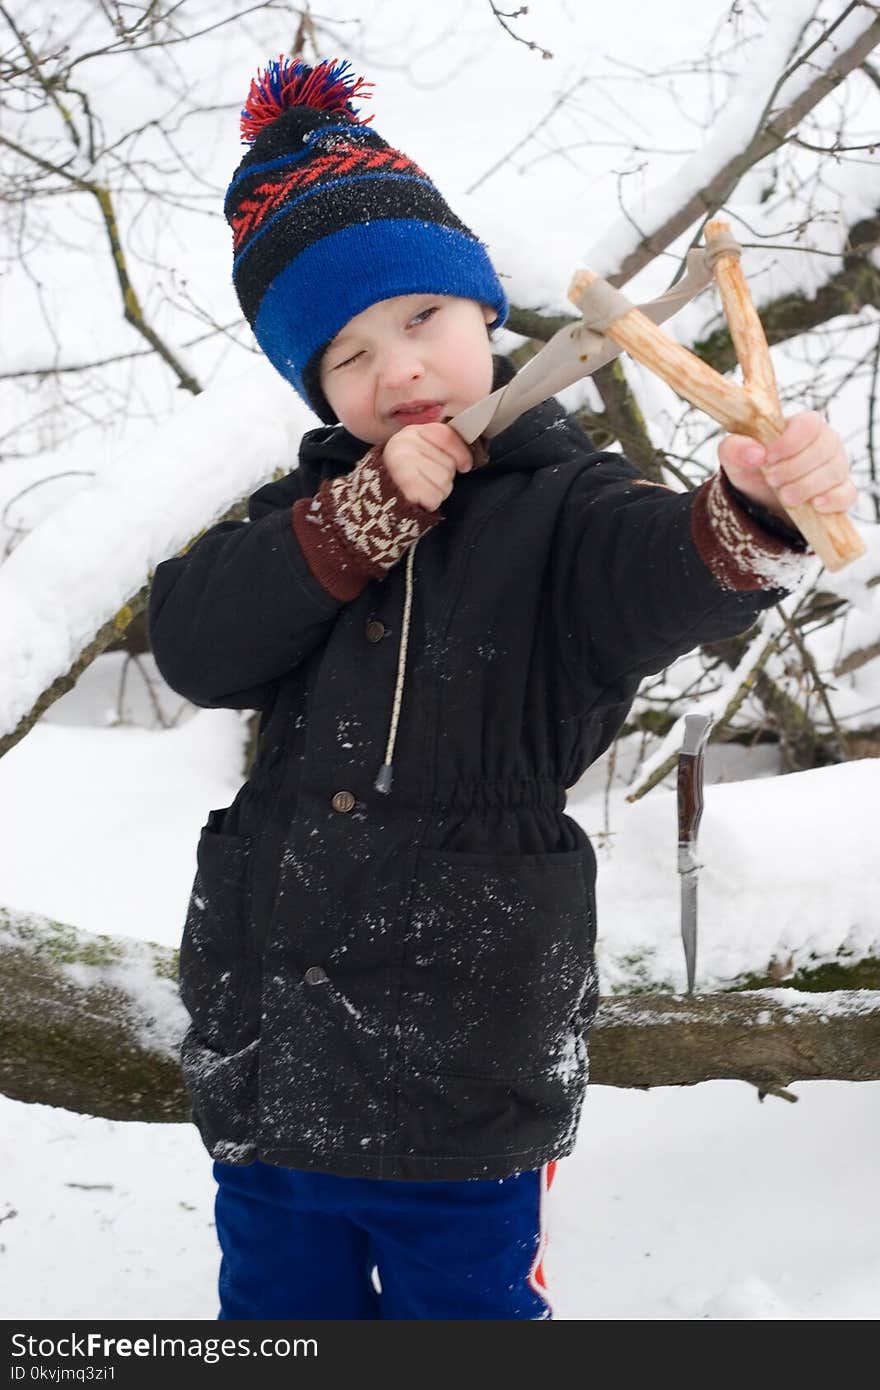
(357, 526)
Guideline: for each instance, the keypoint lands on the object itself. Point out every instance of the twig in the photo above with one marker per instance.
(530, 135)
(503, 15)
(872, 410)
(49, 88)
(818, 683)
(132, 310)
(743, 689)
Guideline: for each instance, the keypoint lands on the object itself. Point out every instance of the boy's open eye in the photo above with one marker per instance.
(424, 314)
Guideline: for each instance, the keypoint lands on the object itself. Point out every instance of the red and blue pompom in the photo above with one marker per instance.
(329, 86)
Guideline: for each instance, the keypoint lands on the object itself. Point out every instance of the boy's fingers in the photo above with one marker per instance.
(823, 453)
(444, 445)
(738, 450)
(452, 444)
(445, 461)
(816, 481)
(837, 499)
(801, 431)
(432, 477)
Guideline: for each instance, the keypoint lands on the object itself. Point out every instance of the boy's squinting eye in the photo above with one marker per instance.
(424, 314)
(345, 361)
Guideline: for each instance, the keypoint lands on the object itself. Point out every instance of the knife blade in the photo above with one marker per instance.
(690, 812)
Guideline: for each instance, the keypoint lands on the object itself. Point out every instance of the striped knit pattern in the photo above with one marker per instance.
(329, 173)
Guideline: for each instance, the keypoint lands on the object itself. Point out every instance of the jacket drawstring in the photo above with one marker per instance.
(385, 773)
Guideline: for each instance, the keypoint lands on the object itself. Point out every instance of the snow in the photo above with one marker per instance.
(683, 1203)
(93, 553)
(677, 1204)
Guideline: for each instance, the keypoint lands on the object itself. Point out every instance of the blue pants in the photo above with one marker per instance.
(314, 1245)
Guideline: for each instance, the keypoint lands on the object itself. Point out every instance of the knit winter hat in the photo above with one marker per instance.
(328, 219)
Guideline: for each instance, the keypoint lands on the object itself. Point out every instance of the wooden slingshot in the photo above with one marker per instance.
(752, 408)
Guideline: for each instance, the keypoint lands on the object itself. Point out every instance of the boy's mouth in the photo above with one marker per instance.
(419, 412)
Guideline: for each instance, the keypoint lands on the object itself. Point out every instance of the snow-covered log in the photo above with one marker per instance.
(92, 1024)
(767, 1036)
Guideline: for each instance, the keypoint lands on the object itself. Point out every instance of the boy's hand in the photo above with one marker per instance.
(807, 463)
(423, 461)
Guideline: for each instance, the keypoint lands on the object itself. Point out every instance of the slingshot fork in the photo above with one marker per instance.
(753, 408)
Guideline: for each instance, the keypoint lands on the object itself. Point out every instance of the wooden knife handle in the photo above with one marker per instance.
(690, 777)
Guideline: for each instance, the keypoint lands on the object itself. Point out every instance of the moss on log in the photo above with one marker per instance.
(90, 1023)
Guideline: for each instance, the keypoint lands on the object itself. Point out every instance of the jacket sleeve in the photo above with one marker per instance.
(644, 574)
(241, 607)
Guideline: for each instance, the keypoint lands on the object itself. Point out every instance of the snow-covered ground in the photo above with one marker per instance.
(682, 1203)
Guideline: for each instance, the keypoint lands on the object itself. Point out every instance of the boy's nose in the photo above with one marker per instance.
(400, 366)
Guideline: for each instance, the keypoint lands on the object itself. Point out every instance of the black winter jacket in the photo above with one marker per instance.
(401, 985)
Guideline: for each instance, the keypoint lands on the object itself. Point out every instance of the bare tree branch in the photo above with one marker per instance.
(855, 287)
(706, 202)
(132, 310)
(504, 15)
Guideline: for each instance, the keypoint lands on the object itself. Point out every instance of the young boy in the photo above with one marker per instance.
(388, 953)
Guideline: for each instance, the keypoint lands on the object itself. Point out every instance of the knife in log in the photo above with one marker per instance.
(690, 811)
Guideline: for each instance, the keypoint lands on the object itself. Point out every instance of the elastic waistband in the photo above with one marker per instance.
(510, 792)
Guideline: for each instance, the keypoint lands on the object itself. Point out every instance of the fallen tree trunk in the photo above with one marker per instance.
(92, 1024)
(89, 1023)
(769, 1037)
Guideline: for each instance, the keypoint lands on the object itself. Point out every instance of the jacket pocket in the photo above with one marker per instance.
(498, 975)
(218, 969)
(224, 1092)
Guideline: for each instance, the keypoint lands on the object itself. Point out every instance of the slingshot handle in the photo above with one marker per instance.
(832, 535)
(752, 409)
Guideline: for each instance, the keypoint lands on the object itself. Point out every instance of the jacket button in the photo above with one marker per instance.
(342, 801)
(375, 630)
(315, 975)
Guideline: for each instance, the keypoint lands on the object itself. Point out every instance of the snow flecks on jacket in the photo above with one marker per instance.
(737, 550)
(224, 1151)
(525, 958)
(345, 728)
(357, 526)
(568, 1066)
(404, 990)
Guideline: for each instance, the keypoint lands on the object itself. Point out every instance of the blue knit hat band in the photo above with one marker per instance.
(309, 302)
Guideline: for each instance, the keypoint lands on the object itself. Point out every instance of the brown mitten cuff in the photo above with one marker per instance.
(736, 548)
(357, 526)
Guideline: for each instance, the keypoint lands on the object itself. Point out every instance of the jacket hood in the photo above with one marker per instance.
(330, 451)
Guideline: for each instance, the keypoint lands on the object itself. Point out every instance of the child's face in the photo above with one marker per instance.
(411, 360)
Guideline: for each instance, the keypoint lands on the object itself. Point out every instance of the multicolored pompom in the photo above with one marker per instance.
(329, 86)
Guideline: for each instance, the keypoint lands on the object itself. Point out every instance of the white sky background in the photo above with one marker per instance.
(648, 1215)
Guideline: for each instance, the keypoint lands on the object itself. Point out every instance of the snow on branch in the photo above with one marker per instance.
(74, 572)
(769, 96)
